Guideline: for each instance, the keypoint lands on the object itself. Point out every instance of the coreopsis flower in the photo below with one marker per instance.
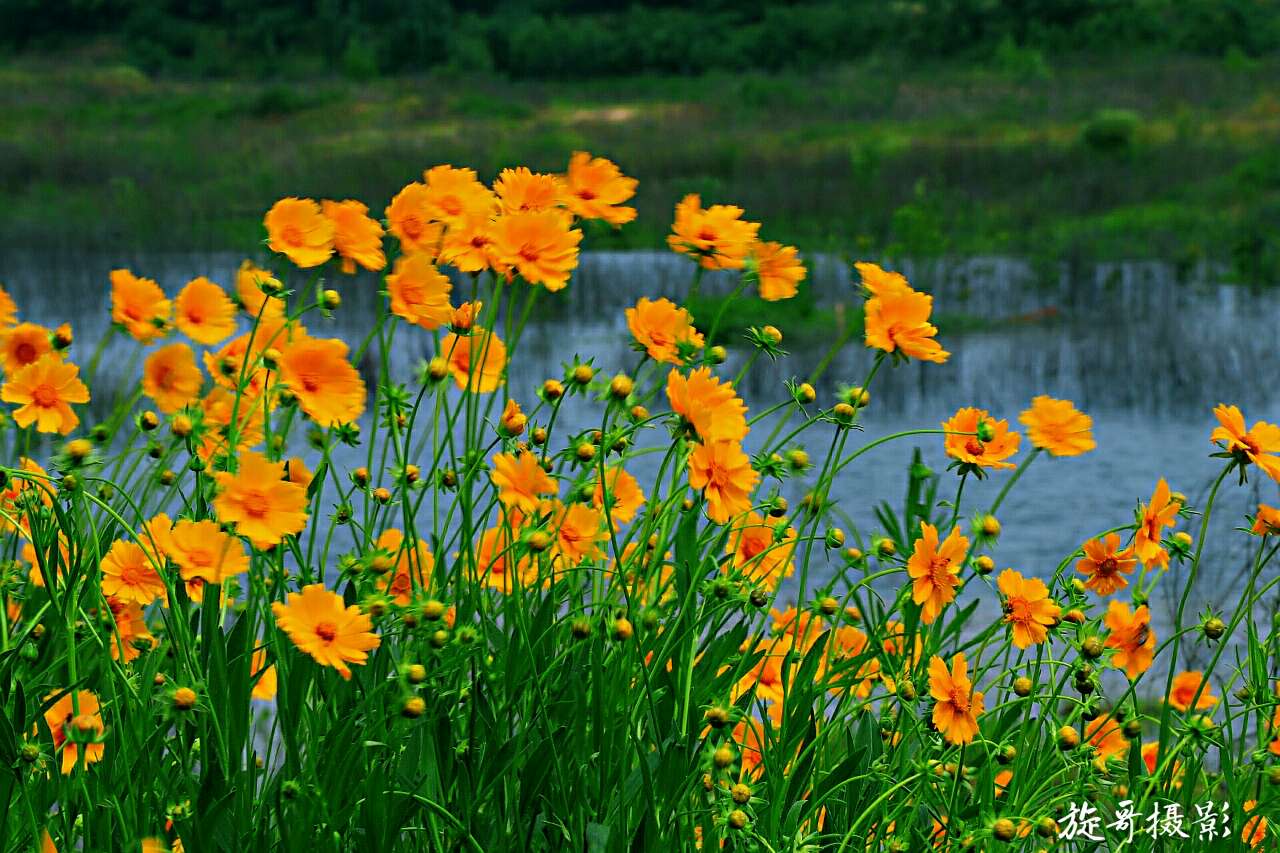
(409, 219)
(139, 305)
(264, 507)
(298, 472)
(44, 392)
(420, 292)
(298, 229)
(267, 681)
(1057, 426)
(156, 538)
(759, 554)
(521, 481)
(717, 237)
(131, 632)
(595, 188)
(1267, 521)
(204, 312)
(934, 569)
(1131, 637)
(579, 530)
(881, 282)
(15, 488)
(497, 566)
(958, 705)
(1160, 512)
(412, 566)
(620, 492)
(522, 191)
(1185, 685)
(539, 246)
(329, 389)
(748, 735)
(238, 363)
(129, 574)
(54, 563)
(712, 407)
(8, 309)
(723, 473)
(477, 361)
(1259, 445)
(171, 377)
(222, 417)
(357, 237)
(88, 718)
(1106, 735)
(250, 279)
(765, 675)
(662, 329)
(455, 195)
(1106, 564)
(320, 624)
(971, 449)
(1151, 758)
(469, 247)
(799, 627)
(897, 321)
(202, 550)
(848, 644)
(1028, 610)
(513, 420)
(1254, 831)
(23, 344)
(778, 270)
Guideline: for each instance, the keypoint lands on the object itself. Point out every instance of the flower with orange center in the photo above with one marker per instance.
(1160, 512)
(44, 392)
(23, 344)
(409, 221)
(329, 389)
(1259, 445)
(1131, 637)
(898, 322)
(16, 487)
(469, 247)
(131, 632)
(8, 309)
(1254, 831)
(661, 328)
(723, 473)
(420, 292)
(204, 312)
(264, 507)
(238, 364)
(595, 188)
(1106, 735)
(758, 554)
(970, 449)
(1151, 758)
(765, 675)
(881, 282)
(171, 377)
(267, 682)
(357, 237)
(1185, 686)
(298, 472)
(320, 624)
(521, 481)
(1106, 565)
(218, 409)
(1028, 610)
(455, 195)
(958, 705)
(413, 566)
(522, 191)
(623, 495)
(847, 646)
(253, 299)
(84, 714)
(539, 246)
(298, 229)
(778, 270)
(476, 361)
(139, 305)
(202, 550)
(1056, 426)
(718, 237)
(579, 530)
(1267, 521)
(934, 568)
(130, 575)
(496, 564)
(712, 407)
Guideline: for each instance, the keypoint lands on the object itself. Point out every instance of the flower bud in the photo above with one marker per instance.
(184, 699)
(1022, 686)
(582, 374)
(581, 629)
(1092, 648)
(723, 756)
(717, 717)
(986, 432)
(805, 393)
(181, 426)
(1003, 829)
(983, 564)
(553, 390)
(740, 793)
(621, 386)
(330, 300)
(416, 673)
(413, 707)
(990, 526)
(717, 354)
(622, 630)
(1068, 738)
(1213, 628)
(737, 819)
(771, 334)
(835, 538)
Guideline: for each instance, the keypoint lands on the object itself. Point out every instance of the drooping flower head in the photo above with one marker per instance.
(476, 361)
(1106, 564)
(971, 449)
(778, 270)
(320, 624)
(934, 568)
(712, 407)
(540, 246)
(299, 230)
(1158, 513)
(723, 473)
(1028, 610)
(329, 389)
(595, 188)
(420, 292)
(957, 705)
(717, 237)
(1267, 521)
(204, 312)
(260, 502)
(43, 392)
(1131, 637)
(1056, 426)
(663, 329)
(357, 237)
(139, 305)
(82, 713)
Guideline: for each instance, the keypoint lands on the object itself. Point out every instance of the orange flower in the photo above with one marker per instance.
(521, 481)
(711, 406)
(522, 191)
(204, 312)
(718, 237)
(1106, 565)
(298, 229)
(971, 450)
(848, 644)
(958, 706)
(1131, 637)
(1106, 736)
(454, 195)
(1259, 445)
(1185, 685)
(131, 633)
(8, 309)
(579, 530)
(321, 625)
(328, 388)
(23, 344)
(297, 472)
(1255, 827)
(240, 356)
(723, 473)
(880, 282)
(624, 496)
(217, 410)
(263, 505)
(1160, 512)
(758, 553)
(420, 292)
(595, 188)
(748, 734)
(469, 247)
(43, 392)
(477, 361)
(87, 719)
(1027, 608)
(765, 675)
(129, 575)
(663, 330)
(935, 570)
(495, 563)
(1056, 426)
(1151, 758)
(171, 377)
(1267, 521)
(139, 305)
(539, 246)
(201, 550)
(264, 688)
(409, 220)
(252, 298)
(356, 236)
(413, 566)
(898, 321)
(778, 270)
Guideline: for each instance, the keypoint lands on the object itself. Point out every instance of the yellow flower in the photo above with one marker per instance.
(23, 344)
(1106, 564)
(1131, 637)
(321, 625)
(778, 270)
(1259, 445)
(139, 305)
(413, 566)
(957, 705)
(1185, 685)
(253, 299)
(758, 553)
(880, 282)
(171, 377)
(898, 321)
(579, 530)
(661, 327)
(43, 392)
(1028, 610)
(935, 570)
(624, 496)
(521, 481)
(257, 499)
(329, 389)
(264, 688)
(201, 550)
(420, 292)
(81, 713)
(8, 309)
(204, 312)
(454, 196)
(409, 221)
(1056, 426)
(477, 361)
(971, 449)
(356, 236)
(522, 191)
(1160, 512)
(711, 406)
(129, 575)
(539, 246)
(724, 474)
(298, 229)
(595, 188)
(718, 237)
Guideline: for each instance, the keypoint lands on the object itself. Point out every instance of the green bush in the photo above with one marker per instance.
(1111, 131)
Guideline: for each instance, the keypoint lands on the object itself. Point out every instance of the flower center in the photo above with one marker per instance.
(1108, 566)
(586, 194)
(707, 235)
(973, 447)
(960, 700)
(25, 352)
(939, 569)
(256, 504)
(451, 205)
(44, 395)
(195, 315)
(412, 227)
(132, 575)
(292, 235)
(327, 631)
(529, 253)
